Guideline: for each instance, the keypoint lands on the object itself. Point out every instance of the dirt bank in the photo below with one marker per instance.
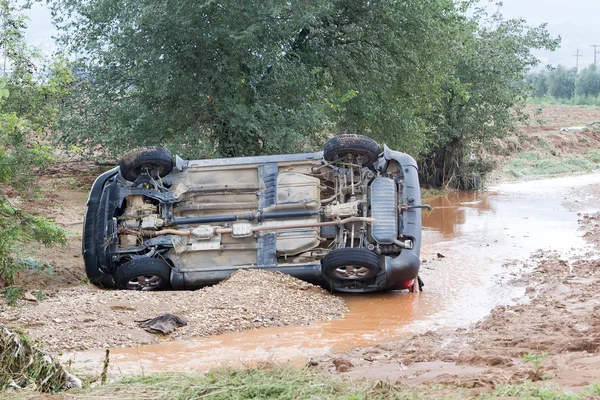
(554, 337)
(85, 317)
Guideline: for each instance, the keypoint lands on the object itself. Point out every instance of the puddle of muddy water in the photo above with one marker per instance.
(477, 233)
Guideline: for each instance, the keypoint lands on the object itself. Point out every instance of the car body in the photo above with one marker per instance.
(347, 218)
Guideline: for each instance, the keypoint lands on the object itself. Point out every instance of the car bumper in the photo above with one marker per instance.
(95, 227)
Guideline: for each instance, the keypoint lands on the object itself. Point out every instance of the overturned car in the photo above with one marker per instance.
(348, 218)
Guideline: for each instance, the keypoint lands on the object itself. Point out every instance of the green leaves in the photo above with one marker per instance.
(481, 102)
(247, 77)
(4, 93)
(563, 83)
(28, 108)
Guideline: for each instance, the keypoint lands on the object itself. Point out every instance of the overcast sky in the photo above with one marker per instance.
(576, 21)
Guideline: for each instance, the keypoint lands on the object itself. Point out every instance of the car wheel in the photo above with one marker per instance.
(355, 149)
(350, 264)
(156, 160)
(143, 274)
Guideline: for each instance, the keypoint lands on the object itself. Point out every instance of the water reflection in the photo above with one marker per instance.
(449, 211)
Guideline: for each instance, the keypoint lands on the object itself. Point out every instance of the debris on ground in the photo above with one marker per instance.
(85, 317)
(25, 365)
(164, 323)
(578, 128)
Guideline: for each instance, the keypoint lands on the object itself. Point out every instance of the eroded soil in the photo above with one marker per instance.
(554, 336)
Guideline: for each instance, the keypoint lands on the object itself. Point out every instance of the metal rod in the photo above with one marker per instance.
(298, 226)
(288, 214)
(149, 233)
(215, 218)
(248, 217)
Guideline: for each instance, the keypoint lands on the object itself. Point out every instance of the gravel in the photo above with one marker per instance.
(85, 317)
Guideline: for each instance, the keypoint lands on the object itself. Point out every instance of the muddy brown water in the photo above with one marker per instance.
(477, 233)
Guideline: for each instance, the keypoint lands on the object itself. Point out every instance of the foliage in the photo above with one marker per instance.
(245, 77)
(574, 101)
(562, 82)
(535, 359)
(538, 81)
(251, 383)
(288, 383)
(530, 390)
(482, 101)
(534, 163)
(28, 107)
(588, 82)
(567, 86)
(12, 294)
(236, 78)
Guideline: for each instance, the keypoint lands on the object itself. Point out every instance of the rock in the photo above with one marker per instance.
(30, 297)
(342, 364)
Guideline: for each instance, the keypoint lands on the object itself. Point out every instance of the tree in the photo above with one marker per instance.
(588, 82)
(482, 101)
(205, 78)
(561, 82)
(538, 81)
(27, 108)
(244, 77)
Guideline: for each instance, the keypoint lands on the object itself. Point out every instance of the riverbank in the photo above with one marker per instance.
(556, 140)
(544, 346)
(548, 337)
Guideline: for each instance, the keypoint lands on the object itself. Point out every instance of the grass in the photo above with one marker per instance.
(535, 359)
(12, 294)
(283, 383)
(533, 163)
(432, 193)
(287, 383)
(574, 101)
(530, 390)
(594, 156)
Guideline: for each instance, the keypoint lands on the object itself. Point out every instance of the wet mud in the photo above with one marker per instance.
(475, 261)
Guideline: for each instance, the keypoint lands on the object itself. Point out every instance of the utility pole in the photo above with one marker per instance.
(577, 60)
(595, 51)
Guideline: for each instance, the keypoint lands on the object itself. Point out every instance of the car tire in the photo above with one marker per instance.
(143, 274)
(350, 263)
(156, 159)
(363, 148)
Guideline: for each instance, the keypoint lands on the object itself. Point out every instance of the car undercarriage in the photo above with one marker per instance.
(343, 218)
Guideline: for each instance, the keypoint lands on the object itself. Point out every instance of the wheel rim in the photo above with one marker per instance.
(351, 272)
(144, 282)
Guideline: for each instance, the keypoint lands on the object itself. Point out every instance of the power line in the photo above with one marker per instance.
(577, 60)
(595, 50)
